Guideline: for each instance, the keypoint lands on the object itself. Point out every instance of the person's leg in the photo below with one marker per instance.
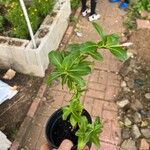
(93, 6)
(85, 10)
(93, 16)
(83, 2)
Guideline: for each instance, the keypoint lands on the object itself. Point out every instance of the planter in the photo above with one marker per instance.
(20, 55)
(57, 129)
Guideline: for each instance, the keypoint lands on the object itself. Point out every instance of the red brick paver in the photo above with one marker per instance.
(103, 85)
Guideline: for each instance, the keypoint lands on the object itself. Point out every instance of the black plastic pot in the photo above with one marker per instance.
(58, 129)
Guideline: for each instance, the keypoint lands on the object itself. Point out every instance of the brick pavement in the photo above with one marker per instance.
(103, 85)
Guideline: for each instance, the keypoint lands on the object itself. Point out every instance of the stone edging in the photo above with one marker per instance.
(36, 102)
(69, 30)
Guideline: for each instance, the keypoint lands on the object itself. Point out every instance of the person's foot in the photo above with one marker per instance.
(114, 1)
(87, 11)
(94, 17)
(123, 5)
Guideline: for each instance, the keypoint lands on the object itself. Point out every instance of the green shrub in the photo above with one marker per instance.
(35, 19)
(1, 23)
(75, 4)
(73, 19)
(36, 12)
(142, 5)
(134, 12)
(44, 6)
(16, 18)
(129, 21)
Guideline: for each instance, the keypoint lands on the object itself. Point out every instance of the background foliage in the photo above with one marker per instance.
(75, 4)
(134, 12)
(13, 16)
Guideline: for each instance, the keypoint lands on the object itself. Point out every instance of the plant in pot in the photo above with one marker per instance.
(71, 65)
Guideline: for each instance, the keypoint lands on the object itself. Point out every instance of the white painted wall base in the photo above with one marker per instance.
(27, 60)
(4, 142)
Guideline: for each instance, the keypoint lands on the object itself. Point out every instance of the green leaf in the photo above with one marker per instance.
(76, 107)
(64, 54)
(86, 47)
(99, 30)
(70, 59)
(94, 130)
(97, 120)
(73, 121)
(112, 39)
(55, 58)
(80, 133)
(90, 48)
(118, 52)
(96, 55)
(53, 76)
(95, 140)
(66, 112)
(64, 79)
(83, 123)
(73, 47)
(98, 125)
(89, 132)
(78, 80)
(70, 83)
(80, 70)
(84, 62)
(81, 143)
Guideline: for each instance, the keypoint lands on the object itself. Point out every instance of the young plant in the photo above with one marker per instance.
(70, 66)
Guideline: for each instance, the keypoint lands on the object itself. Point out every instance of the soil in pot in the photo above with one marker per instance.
(58, 129)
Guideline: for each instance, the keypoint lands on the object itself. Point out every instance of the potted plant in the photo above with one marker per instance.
(73, 121)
